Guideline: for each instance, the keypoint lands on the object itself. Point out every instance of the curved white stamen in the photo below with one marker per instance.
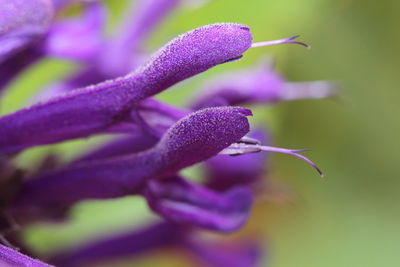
(280, 41)
(242, 148)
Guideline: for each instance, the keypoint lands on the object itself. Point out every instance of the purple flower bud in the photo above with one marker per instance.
(10, 258)
(201, 135)
(180, 201)
(95, 108)
(21, 22)
(192, 139)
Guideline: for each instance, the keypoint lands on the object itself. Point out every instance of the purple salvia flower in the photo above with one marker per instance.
(159, 140)
(22, 22)
(11, 258)
(70, 116)
(258, 85)
(192, 139)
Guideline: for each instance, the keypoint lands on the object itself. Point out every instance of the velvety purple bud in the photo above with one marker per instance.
(93, 109)
(183, 202)
(202, 135)
(261, 84)
(130, 244)
(193, 139)
(22, 22)
(199, 50)
(78, 38)
(12, 258)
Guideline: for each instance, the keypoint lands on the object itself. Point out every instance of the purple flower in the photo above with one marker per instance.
(183, 202)
(70, 116)
(112, 94)
(191, 140)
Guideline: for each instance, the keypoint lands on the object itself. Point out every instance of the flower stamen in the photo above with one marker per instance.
(241, 148)
(280, 41)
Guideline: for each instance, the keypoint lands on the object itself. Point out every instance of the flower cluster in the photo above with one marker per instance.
(112, 93)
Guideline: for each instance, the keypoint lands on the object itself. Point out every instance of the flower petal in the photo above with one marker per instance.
(180, 201)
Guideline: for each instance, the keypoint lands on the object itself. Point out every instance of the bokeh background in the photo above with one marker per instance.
(349, 218)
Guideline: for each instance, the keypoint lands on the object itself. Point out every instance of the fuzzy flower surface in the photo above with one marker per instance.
(111, 93)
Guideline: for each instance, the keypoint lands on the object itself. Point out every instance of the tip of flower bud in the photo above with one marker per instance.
(203, 48)
(289, 40)
(203, 134)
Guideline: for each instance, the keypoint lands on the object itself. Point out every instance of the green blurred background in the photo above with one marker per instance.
(349, 218)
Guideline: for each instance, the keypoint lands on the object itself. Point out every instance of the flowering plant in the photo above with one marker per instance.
(113, 94)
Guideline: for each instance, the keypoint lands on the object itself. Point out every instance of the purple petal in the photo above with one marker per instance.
(180, 201)
(22, 22)
(12, 258)
(93, 109)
